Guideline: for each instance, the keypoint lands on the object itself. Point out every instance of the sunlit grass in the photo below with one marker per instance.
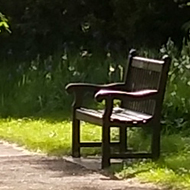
(161, 173)
(52, 137)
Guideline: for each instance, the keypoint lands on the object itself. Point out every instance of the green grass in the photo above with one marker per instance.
(160, 173)
(172, 170)
(45, 135)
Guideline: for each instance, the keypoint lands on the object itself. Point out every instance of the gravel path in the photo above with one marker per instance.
(22, 170)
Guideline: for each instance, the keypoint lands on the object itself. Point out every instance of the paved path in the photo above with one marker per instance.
(23, 170)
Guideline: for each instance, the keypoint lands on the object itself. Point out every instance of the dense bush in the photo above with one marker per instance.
(39, 85)
(45, 26)
(177, 101)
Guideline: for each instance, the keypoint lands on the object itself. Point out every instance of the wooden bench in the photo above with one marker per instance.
(141, 94)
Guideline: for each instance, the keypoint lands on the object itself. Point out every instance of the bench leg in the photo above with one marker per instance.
(76, 138)
(105, 146)
(156, 142)
(123, 138)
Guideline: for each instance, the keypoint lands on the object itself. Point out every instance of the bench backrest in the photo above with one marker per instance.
(144, 73)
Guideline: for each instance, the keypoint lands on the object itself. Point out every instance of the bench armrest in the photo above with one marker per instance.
(130, 96)
(79, 89)
(87, 87)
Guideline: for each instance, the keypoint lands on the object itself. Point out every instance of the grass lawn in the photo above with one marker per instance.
(53, 136)
(45, 135)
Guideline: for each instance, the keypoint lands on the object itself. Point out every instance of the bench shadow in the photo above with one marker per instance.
(57, 166)
(69, 168)
(62, 167)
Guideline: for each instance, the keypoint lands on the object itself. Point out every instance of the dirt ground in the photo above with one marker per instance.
(22, 170)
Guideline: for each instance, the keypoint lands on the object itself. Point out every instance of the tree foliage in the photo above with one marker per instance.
(3, 23)
(46, 25)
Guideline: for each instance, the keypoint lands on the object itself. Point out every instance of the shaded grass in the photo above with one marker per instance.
(172, 170)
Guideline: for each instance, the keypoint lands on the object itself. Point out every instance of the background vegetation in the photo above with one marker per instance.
(45, 26)
(56, 42)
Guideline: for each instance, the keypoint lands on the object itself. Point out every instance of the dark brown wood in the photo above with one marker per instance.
(123, 138)
(130, 96)
(155, 143)
(75, 130)
(141, 94)
(131, 155)
(106, 133)
(80, 88)
(122, 115)
(105, 145)
(98, 144)
(76, 138)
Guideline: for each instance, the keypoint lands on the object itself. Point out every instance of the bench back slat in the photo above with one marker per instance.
(143, 73)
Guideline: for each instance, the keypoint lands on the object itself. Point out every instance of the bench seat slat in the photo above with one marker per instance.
(118, 115)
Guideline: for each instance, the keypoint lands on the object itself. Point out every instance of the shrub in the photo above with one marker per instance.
(177, 101)
(39, 85)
